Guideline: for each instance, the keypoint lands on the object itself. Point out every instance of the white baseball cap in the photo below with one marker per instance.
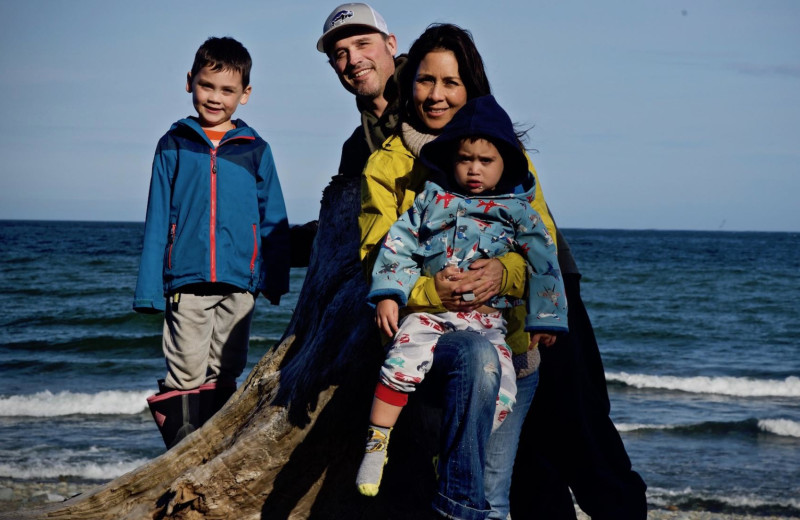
(350, 15)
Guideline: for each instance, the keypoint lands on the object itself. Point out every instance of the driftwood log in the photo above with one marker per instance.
(288, 443)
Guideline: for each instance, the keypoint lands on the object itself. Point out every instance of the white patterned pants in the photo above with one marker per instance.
(411, 353)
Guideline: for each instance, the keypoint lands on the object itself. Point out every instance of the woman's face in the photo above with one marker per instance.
(438, 90)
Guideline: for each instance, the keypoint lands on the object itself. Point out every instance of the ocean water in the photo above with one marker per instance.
(699, 331)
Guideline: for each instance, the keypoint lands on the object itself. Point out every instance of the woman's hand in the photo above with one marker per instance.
(386, 315)
(542, 338)
(483, 280)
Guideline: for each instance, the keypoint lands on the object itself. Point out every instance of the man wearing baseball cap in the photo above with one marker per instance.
(362, 51)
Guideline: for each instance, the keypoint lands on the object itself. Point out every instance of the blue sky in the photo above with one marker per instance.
(644, 115)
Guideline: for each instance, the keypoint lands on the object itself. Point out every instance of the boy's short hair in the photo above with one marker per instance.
(223, 54)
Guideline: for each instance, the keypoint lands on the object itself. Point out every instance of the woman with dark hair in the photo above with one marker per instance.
(444, 38)
(444, 70)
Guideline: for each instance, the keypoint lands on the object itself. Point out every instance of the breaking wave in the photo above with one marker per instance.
(733, 386)
(48, 404)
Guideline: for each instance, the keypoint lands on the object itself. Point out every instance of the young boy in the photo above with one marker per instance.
(216, 234)
(476, 204)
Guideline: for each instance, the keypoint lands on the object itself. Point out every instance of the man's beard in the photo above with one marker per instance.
(367, 91)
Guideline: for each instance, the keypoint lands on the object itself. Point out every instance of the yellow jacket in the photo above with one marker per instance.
(391, 180)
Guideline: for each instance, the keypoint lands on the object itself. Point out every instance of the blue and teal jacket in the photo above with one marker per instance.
(446, 227)
(214, 215)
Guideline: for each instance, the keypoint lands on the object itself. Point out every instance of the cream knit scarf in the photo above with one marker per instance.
(413, 139)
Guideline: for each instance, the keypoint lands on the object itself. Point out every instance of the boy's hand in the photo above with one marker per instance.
(386, 315)
(542, 338)
(274, 299)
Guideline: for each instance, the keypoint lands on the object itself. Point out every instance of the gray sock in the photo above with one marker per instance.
(369, 475)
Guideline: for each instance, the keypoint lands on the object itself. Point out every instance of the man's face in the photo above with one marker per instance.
(364, 62)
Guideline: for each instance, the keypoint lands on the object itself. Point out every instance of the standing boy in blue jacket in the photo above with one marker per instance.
(216, 235)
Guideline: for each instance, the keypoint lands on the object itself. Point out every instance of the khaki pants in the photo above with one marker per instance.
(206, 338)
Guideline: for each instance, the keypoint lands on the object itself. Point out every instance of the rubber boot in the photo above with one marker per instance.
(213, 397)
(176, 412)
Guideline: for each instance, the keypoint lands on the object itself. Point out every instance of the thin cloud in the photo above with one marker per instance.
(752, 69)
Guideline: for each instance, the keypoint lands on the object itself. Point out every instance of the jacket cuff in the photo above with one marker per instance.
(148, 306)
(531, 327)
(382, 294)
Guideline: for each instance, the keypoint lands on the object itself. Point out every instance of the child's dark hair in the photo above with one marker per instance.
(223, 54)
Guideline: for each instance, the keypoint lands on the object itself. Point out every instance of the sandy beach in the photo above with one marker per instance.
(21, 495)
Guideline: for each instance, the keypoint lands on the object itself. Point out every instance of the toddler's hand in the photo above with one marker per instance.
(386, 315)
(542, 338)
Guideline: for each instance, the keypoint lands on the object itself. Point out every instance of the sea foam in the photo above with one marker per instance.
(783, 427)
(632, 427)
(780, 427)
(733, 386)
(741, 500)
(48, 404)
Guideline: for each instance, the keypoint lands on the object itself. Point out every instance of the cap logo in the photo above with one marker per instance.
(341, 17)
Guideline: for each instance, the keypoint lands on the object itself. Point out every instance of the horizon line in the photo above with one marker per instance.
(578, 228)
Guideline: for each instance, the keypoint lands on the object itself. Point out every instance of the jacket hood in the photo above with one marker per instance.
(479, 117)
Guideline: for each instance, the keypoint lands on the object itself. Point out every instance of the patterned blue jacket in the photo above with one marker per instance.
(213, 215)
(445, 227)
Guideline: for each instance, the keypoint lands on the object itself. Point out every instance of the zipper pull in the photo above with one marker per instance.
(214, 161)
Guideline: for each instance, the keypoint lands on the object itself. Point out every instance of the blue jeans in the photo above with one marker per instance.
(466, 370)
(502, 449)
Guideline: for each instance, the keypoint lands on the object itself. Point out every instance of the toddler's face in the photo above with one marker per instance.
(478, 166)
(216, 94)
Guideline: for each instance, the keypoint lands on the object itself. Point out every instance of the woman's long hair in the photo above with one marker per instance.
(437, 37)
